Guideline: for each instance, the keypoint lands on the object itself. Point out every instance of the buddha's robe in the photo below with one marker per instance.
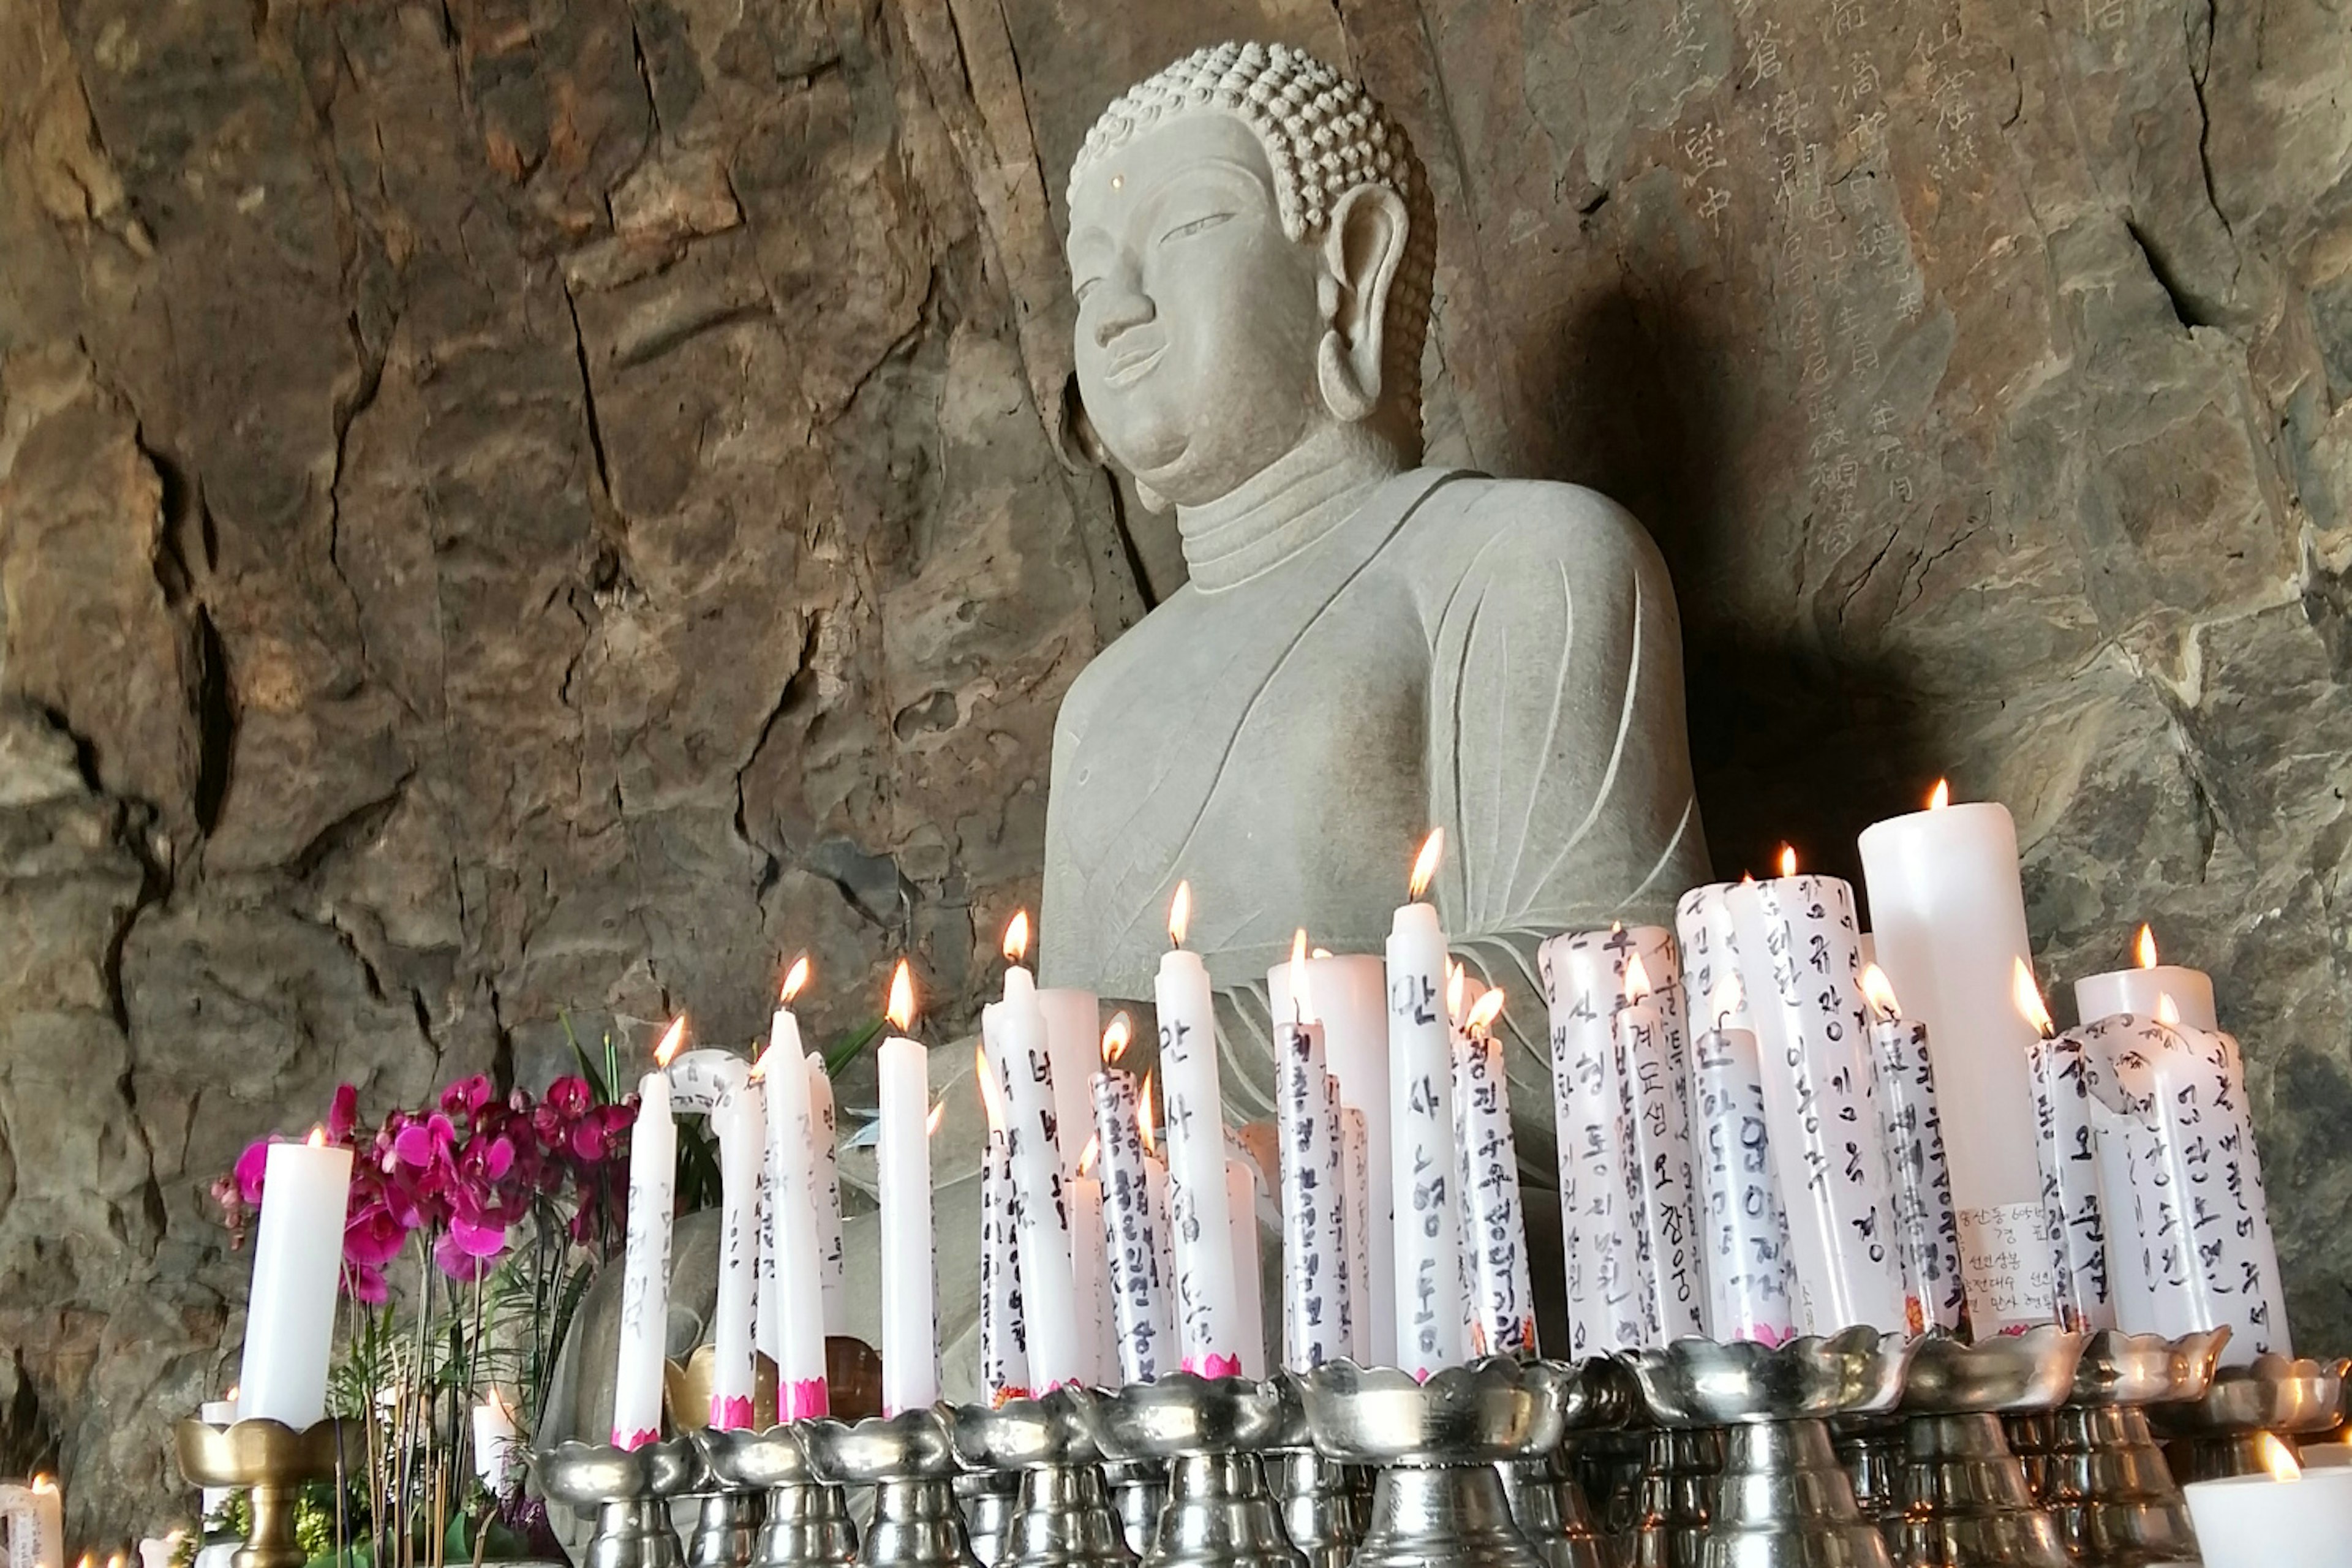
(1501, 659)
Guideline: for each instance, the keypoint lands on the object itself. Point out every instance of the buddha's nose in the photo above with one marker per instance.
(1126, 308)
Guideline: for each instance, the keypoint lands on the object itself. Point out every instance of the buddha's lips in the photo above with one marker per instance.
(1128, 371)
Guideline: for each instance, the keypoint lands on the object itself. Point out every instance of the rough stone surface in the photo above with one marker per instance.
(516, 507)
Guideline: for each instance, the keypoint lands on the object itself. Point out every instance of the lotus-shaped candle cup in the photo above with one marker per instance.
(2117, 1368)
(2009, 1374)
(1488, 1411)
(1062, 1427)
(1700, 1383)
(1179, 1413)
(2272, 1395)
(910, 1446)
(261, 1453)
(771, 1456)
(589, 1475)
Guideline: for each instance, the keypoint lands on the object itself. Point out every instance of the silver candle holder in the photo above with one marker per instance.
(2274, 1396)
(910, 1463)
(1674, 1498)
(807, 1521)
(1782, 1501)
(1064, 1517)
(2093, 1463)
(1962, 1497)
(987, 1500)
(1138, 1493)
(1551, 1511)
(1211, 1433)
(1440, 1500)
(1319, 1500)
(630, 1490)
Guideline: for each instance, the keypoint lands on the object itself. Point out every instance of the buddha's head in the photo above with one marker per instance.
(1251, 247)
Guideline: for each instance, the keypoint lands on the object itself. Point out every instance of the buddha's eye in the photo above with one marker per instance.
(1186, 230)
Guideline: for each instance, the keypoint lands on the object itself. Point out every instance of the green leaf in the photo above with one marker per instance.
(845, 1049)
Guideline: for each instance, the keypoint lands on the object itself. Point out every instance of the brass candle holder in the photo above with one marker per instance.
(270, 1461)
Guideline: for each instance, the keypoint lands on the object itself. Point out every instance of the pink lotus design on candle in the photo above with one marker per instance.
(1214, 1365)
(731, 1415)
(807, 1398)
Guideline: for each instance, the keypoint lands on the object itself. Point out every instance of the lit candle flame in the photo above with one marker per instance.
(1116, 1038)
(672, 1038)
(1302, 1006)
(1143, 1118)
(795, 980)
(1180, 914)
(318, 1137)
(497, 1402)
(1880, 993)
(1016, 937)
(1637, 980)
(1456, 981)
(1321, 953)
(2281, 1464)
(1788, 859)
(2146, 946)
(1424, 865)
(992, 1093)
(1941, 796)
(2166, 1013)
(1086, 1155)
(932, 1123)
(2028, 997)
(49, 1483)
(1483, 1016)
(901, 1010)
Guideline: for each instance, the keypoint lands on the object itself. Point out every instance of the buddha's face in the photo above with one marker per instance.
(1198, 316)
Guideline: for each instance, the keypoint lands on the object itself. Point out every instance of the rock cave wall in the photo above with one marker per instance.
(511, 509)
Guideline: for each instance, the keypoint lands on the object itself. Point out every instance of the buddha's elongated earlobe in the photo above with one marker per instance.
(1361, 248)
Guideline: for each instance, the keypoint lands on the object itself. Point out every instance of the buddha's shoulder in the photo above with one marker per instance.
(1500, 528)
(1162, 635)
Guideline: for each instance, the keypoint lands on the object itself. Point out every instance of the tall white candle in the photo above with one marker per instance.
(298, 1252)
(494, 1442)
(1653, 1076)
(1249, 1257)
(1073, 1040)
(1584, 984)
(2066, 1145)
(739, 1119)
(910, 1344)
(2291, 1518)
(1751, 1274)
(1314, 1299)
(1014, 1030)
(1163, 1213)
(1003, 1348)
(2138, 990)
(2243, 1201)
(49, 1543)
(1211, 1327)
(795, 1237)
(645, 1275)
(1139, 1291)
(1799, 962)
(833, 1263)
(1431, 1333)
(1949, 916)
(1503, 1300)
(1927, 1228)
(1088, 1264)
(1356, 1192)
(1348, 994)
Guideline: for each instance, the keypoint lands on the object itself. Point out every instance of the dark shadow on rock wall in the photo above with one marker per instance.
(1788, 744)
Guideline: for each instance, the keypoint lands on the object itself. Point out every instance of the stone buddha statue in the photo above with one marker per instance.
(1366, 648)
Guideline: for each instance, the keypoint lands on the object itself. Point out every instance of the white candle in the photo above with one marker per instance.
(2243, 1201)
(494, 1441)
(1348, 994)
(2138, 990)
(1651, 1078)
(1751, 1277)
(1249, 1280)
(699, 1079)
(49, 1506)
(795, 1237)
(2125, 1216)
(1584, 984)
(1503, 1299)
(833, 1264)
(1073, 1039)
(910, 1344)
(1431, 1329)
(1210, 1324)
(2065, 1145)
(1313, 1297)
(1003, 1349)
(739, 1119)
(298, 1252)
(1799, 962)
(1089, 1262)
(1927, 1228)
(1014, 1030)
(645, 1276)
(1139, 1289)
(1163, 1216)
(1949, 917)
(2293, 1517)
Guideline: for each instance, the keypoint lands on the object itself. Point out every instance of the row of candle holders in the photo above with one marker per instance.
(1858, 1450)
